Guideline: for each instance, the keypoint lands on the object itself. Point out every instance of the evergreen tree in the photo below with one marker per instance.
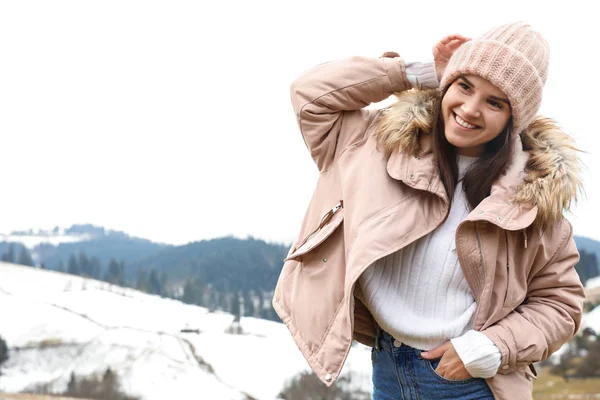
(142, 281)
(208, 298)
(9, 254)
(154, 282)
(73, 267)
(271, 315)
(248, 304)
(217, 300)
(110, 383)
(193, 292)
(188, 292)
(3, 350)
(72, 385)
(95, 268)
(200, 289)
(223, 303)
(235, 306)
(25, 257)
(122, 273)
(261, 304)
(84, 265)
(113, 273)
(61, 266)
(590, 365)
(163, 283)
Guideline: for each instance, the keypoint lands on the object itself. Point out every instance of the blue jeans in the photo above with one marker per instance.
(400, 373)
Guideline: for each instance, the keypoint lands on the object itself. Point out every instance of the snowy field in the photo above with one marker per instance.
(56, 324)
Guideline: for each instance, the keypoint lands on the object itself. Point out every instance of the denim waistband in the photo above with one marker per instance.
(386, 341)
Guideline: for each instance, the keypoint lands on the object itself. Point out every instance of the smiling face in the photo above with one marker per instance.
(475, 112)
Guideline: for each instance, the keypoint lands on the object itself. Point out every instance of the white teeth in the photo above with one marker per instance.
(464, 123)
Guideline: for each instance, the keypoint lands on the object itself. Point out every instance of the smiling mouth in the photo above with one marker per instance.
(463, 123)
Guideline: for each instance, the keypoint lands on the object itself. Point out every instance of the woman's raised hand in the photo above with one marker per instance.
(443, 50)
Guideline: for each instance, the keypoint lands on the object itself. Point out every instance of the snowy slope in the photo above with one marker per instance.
(591, 320)
(593, 283)
(56, 324)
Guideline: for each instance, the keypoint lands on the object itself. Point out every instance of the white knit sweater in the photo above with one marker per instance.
(420, 296)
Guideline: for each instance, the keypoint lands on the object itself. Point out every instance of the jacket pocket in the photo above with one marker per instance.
(314, 290)
(327, 226)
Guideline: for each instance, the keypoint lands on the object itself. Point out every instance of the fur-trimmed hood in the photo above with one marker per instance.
(547, 174)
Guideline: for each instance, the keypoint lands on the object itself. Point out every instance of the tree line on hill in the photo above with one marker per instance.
(3, 352)
(23, 257)
(225, 274)
(216, 295)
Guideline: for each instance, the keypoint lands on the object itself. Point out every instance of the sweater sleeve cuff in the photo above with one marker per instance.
(422, 75)
(479, 354)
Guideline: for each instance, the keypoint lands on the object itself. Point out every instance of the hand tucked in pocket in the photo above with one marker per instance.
(450, 366)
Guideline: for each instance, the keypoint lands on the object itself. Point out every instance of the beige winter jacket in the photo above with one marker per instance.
(515, 248)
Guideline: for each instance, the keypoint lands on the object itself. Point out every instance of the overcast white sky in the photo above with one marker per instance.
(171, 120)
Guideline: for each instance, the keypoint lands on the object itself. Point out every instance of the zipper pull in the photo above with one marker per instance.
(330, 215)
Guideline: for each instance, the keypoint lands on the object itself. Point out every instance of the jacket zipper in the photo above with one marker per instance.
(478, 310)
(508, 293)
(324, 221)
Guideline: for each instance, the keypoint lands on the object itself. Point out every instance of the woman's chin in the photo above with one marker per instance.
(457, 140)
(464, 146)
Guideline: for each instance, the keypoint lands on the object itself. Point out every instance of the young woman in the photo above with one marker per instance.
(435, 234)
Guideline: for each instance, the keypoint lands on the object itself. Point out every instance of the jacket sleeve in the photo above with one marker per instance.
(550, 314)
(329, 99)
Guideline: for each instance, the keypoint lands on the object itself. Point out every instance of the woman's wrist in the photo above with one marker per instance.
(478, 353)
(422, 75)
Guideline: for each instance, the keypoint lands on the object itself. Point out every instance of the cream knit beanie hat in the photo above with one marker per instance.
(513, 57)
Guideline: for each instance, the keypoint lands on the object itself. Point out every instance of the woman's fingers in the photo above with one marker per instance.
(443, 50)
(449, 38)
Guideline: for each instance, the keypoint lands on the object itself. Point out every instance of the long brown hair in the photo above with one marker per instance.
(478, 180)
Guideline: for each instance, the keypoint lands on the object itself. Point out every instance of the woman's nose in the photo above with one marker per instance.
(471, 109)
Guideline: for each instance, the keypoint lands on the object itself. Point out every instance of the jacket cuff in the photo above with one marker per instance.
(479, 354)
(504, 341)
(396, 72)
(422, 75)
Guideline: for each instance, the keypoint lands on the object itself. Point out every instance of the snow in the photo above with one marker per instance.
(593, 283)
(591, 320)
(56, 324)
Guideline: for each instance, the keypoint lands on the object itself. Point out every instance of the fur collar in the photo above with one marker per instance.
(550, 179)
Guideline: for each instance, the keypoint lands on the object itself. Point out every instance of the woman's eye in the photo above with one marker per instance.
(495, 104)
(463, 85)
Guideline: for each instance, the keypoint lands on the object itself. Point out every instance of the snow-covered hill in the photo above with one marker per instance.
(56, 324)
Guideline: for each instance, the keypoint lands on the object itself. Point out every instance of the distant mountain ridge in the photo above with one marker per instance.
(225, 263)
(52, 248)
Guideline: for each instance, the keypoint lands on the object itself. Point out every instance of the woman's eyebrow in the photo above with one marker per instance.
(493, 97)
(501, 99)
